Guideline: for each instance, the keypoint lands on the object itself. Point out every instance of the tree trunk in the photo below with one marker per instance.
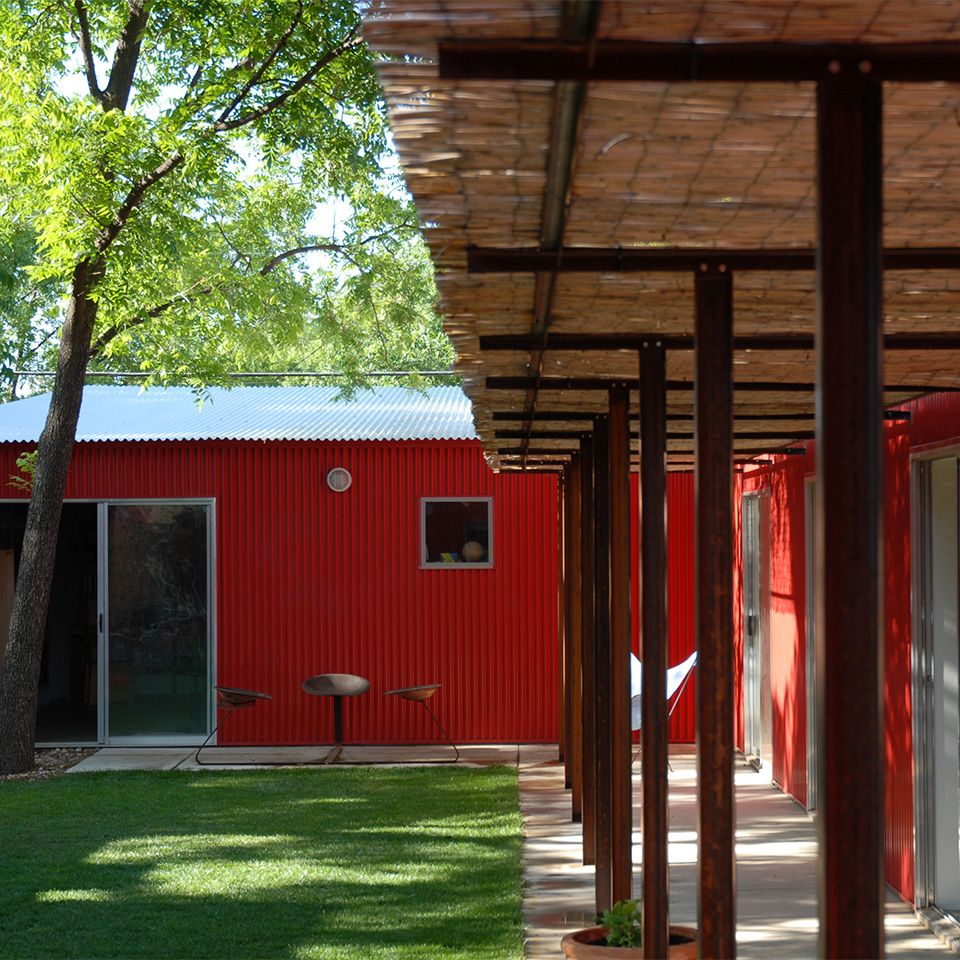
(21, 666)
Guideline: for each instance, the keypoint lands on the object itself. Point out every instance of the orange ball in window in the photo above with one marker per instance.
(472, 552)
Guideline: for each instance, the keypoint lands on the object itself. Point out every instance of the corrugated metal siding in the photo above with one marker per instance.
(934, 419)
(787, 619)
(680, 591)
(898, 648)
(309, 581)
(680, 597)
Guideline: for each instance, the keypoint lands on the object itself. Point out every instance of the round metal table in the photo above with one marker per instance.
(338, 686)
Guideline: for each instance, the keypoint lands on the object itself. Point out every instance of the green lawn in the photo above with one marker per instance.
(345, 863)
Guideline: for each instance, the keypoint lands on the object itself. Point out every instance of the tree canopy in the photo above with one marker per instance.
(246, 173)
(190, 188)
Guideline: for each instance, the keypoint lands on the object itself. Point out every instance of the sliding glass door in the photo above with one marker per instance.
(157, 627)
(128, 642)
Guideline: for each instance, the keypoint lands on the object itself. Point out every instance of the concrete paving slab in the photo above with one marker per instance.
(246, 757)
(134, 758)
(776, 869)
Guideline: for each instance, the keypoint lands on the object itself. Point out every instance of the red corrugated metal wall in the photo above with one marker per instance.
(898, 715)
(787, 619)
(680, 609)
(309, 581)
(935, 422)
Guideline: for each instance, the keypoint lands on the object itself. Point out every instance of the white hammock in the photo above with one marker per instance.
(676, 680)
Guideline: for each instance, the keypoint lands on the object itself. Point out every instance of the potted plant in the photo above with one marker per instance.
(619, 933)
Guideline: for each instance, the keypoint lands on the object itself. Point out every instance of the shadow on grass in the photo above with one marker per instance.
(345, 863)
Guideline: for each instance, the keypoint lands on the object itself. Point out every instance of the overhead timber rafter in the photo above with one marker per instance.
(743, 386)
(579, 416)
(776, 341)
(680, 259)
(674, 435)
(579, 25)
(678, 62)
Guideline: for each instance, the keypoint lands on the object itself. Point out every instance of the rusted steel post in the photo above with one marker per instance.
(588, 778)
(621, 866)
(563, 634)
(714, 609)
(653, 585)
(575, 706)
(849, 509)
(601, 746)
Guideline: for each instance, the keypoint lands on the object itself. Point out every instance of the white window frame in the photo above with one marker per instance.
(426, 565)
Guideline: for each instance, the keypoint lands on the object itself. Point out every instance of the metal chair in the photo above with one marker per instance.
(422, 694)
(228, 700)
(677, 678)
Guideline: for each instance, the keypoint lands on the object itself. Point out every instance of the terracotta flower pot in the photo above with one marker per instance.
(584, 945)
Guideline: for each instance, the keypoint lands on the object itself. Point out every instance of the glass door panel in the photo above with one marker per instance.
(158, 620)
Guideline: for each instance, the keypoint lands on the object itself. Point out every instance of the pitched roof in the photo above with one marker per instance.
(252, 413)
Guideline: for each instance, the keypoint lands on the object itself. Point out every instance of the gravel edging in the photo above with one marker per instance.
(52, 762)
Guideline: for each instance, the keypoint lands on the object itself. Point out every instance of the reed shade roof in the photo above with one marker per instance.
(725, 165)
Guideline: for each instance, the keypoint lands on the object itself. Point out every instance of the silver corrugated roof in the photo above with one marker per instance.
(252, 413)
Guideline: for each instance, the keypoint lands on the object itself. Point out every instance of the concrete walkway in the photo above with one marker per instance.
(182, 758)
(776, 869)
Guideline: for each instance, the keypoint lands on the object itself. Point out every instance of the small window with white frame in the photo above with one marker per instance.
(456, 532)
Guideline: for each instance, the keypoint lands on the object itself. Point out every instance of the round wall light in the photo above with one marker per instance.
(339, 479)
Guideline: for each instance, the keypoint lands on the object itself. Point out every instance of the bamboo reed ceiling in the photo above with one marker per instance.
(719, 165)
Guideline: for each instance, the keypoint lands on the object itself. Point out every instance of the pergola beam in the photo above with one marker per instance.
(685, 259)
(559, 453)
(637, 341)
(573, 416)
(579, 25)
(575, 434)
(552, 452)
(743, 386)
(683, 62)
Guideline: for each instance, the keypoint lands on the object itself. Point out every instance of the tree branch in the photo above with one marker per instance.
(86, 49)
(340, 248)
(116, 329)
(134, 199)
(275, 262)
(189, 296)
(237, 252)
(348, 42)
(257, 74)
(117, 94)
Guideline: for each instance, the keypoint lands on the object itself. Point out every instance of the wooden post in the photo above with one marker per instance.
(653, 585)
(621, 866)
(563, 661)
(588, 716)
(575, 642)
(601, 747)
(849, 509)
(714, 608)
